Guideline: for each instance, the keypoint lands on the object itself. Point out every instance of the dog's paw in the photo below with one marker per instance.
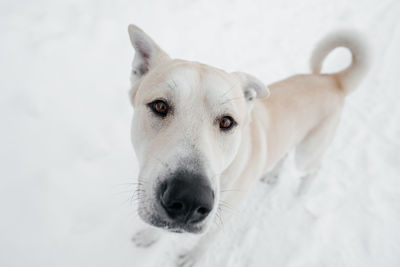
(146, 237)
(270, 178)
(188, 259)
(305, 183)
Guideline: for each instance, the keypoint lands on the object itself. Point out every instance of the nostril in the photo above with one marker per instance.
(199, 214)
(176, 206)
(202, 211)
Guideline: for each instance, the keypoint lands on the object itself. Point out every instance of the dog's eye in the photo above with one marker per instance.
(159, 107)
(226, 123)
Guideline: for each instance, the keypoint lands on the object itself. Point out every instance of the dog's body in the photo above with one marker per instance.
(301, 112)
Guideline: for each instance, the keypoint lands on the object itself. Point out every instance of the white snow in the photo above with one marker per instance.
(66, 158)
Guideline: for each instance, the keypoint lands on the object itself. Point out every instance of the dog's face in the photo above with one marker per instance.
(187, 128)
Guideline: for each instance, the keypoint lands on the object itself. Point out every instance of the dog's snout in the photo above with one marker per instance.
(187, 198)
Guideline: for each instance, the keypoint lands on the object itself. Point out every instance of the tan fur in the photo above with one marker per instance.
(296, 107)
(300, 112)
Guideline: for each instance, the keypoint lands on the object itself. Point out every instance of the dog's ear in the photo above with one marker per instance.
(147, 53)
(252, 87)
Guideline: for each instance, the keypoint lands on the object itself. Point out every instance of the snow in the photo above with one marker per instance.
(67, 164)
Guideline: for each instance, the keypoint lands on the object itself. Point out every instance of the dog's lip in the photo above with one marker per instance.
(182, 228)
(176, 227)
(176, 230)
(160, 220)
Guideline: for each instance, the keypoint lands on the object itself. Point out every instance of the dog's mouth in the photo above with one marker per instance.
(194, 228)
(157, 217)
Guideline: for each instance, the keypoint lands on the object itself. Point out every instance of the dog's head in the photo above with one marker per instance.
(187, 128)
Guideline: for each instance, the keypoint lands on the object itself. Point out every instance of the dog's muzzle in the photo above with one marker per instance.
(186, 197)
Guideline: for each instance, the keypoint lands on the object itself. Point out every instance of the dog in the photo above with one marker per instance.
(198, 130)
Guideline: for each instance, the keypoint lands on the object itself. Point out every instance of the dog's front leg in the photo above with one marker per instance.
(146, 237)
(191, 257)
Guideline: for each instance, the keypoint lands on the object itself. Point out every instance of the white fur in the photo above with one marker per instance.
(301, 113)
(352, 40)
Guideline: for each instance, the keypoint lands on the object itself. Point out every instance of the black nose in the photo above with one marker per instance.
(187, 198)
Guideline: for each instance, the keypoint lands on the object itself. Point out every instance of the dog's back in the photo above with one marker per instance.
(303, 110)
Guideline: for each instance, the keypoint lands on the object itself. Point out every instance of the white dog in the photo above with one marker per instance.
(198, 130)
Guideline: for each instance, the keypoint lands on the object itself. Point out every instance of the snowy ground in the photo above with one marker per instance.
(66, 158)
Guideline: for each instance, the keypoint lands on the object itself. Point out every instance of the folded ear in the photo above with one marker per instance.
(252, 87)
(148, 54)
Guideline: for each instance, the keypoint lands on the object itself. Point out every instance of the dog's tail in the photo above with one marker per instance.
(351, 76)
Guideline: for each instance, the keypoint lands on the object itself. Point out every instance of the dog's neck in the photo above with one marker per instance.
(250, 152)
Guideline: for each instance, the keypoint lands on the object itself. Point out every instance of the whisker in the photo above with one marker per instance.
(126, 192)
(218, 214)
(230, 190)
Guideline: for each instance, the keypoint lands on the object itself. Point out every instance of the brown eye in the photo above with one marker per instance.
(159, 107)
(226, 123)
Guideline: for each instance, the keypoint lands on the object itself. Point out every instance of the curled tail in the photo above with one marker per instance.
(351, 76)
